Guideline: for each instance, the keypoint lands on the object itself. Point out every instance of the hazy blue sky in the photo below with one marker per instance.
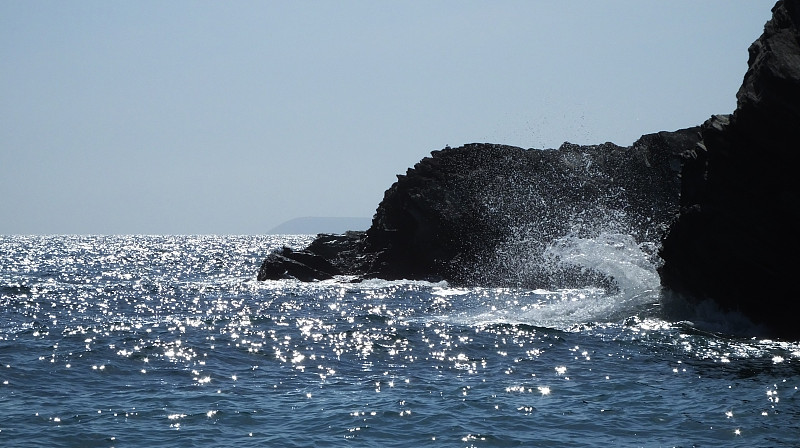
(231, 117)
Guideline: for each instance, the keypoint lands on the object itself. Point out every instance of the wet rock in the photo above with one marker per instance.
(327, 256)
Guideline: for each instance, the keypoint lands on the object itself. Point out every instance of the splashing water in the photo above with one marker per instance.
(617, 255)
(614, 255)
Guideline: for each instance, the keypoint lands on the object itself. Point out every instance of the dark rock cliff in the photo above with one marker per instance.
(736, 238)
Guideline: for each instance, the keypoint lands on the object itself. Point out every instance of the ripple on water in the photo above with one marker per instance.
(144, 341)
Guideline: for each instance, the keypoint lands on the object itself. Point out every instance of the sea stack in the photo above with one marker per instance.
(735, 241)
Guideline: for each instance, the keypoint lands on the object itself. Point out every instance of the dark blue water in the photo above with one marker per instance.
(157, 341)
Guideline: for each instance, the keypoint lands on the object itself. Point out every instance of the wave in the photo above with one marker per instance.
(617, 256)
(707, 316)
(14, 290)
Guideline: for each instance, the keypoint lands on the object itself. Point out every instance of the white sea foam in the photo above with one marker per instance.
(614, 254)
(618, 256)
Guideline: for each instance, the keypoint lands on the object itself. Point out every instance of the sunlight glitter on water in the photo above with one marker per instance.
(382, 357)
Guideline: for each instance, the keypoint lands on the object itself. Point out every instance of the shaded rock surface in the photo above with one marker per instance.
(736, 238)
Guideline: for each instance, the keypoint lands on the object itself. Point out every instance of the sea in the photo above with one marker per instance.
(169, 341)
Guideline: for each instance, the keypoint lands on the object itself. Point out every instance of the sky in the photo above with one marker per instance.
(208, 117)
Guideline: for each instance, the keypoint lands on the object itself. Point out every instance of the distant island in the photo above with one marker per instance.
(312, 225)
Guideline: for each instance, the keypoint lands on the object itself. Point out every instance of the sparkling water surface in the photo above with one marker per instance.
(170, 341)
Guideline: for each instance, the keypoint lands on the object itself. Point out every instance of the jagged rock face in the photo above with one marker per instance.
(475, 215)
(735, 240)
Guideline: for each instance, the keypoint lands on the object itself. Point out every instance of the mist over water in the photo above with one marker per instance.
(165, 341)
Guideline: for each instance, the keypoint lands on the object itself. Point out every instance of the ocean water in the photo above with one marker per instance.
(163, 341)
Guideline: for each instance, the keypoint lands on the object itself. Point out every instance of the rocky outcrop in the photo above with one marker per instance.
(484, 214)
(326, 257)
(735, 241)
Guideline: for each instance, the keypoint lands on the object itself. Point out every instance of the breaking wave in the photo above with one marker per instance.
(616, 257)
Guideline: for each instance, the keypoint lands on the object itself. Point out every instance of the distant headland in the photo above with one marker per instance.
(312, 225)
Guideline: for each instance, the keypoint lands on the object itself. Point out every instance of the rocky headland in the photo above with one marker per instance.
(721, 197)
